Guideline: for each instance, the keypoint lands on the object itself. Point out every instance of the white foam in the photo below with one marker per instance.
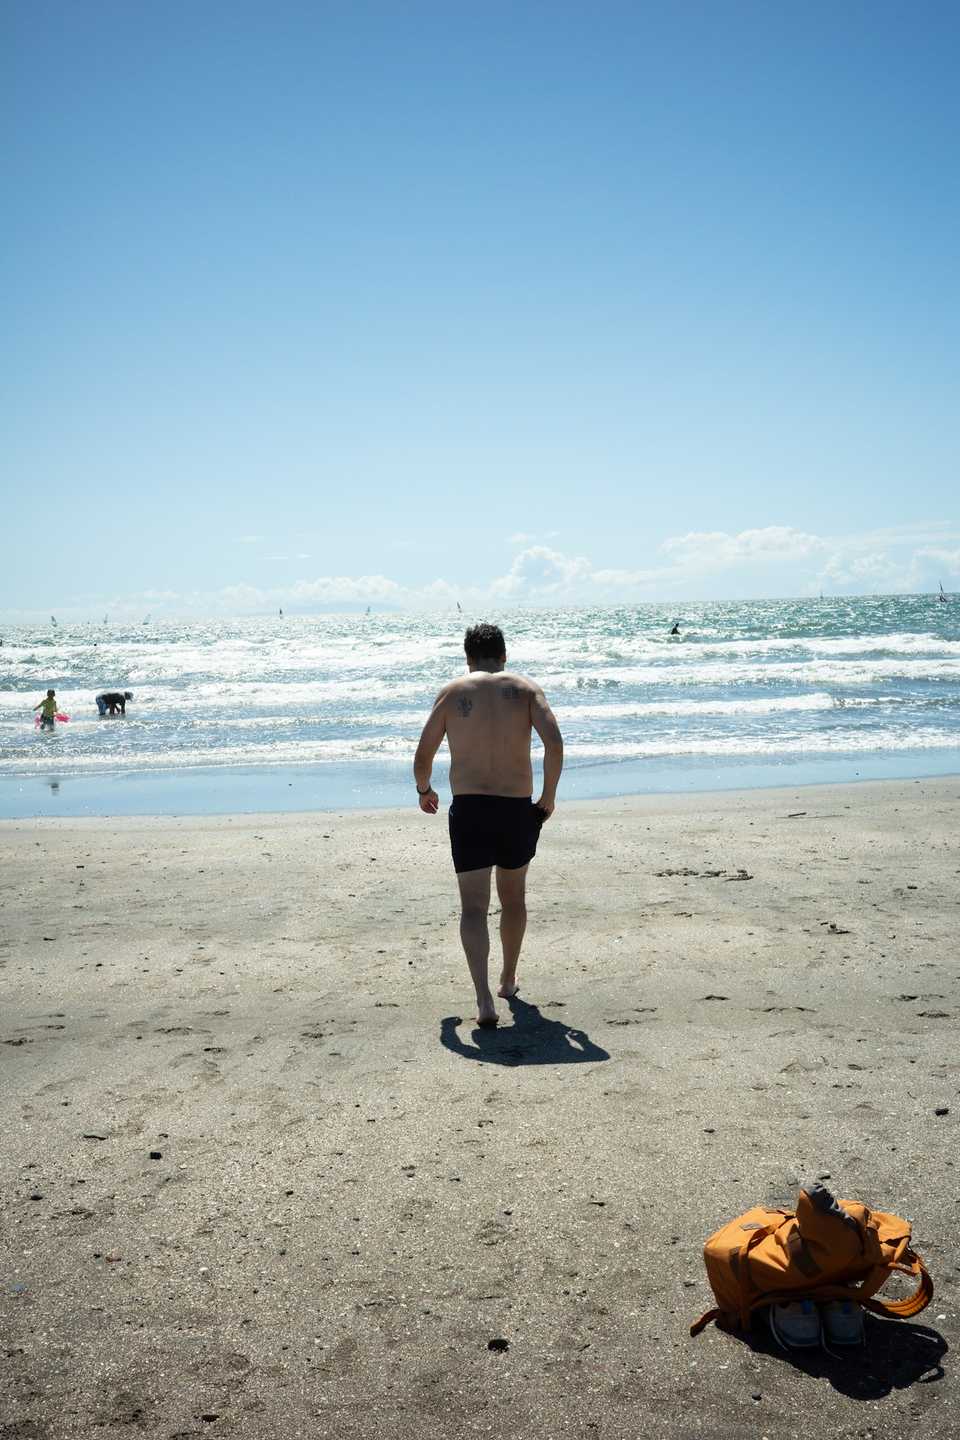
(695, 709)
(356, 691)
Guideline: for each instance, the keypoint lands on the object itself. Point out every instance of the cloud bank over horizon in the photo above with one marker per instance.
(766, 562)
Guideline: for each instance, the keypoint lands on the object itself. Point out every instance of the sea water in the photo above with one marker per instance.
(324, 711)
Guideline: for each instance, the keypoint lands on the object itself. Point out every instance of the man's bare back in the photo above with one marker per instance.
(488, 721)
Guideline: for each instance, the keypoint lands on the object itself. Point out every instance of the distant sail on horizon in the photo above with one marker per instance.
(53, 619)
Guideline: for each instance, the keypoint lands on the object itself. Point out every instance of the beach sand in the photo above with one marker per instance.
(258, 1180)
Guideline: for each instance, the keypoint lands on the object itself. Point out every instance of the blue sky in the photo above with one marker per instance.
(318, 303)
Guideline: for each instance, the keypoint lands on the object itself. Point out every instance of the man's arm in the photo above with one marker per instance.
(430, 741)
(544, 722)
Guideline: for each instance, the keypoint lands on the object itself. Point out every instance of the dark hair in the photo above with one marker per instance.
(484, 642)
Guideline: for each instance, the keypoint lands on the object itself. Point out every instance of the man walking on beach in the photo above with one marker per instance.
(487, 718)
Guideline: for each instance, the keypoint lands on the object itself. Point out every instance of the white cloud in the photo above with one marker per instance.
(540, 571)
(947, 560)
(347, 587)
(767, 560)
(705, 552)
(762, 561)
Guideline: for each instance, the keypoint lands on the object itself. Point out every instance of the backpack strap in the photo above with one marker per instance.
(898, 1309)
(748, 1300)
(704, 1321)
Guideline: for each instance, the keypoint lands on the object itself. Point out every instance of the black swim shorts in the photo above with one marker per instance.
(493, 830)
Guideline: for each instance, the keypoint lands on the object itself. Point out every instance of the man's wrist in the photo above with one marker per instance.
(424, 792)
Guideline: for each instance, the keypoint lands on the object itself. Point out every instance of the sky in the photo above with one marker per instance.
(326, 304)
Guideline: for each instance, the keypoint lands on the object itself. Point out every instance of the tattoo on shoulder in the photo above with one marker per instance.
(512, 692)
(464, 705)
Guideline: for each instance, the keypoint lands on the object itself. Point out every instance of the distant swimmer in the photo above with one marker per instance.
(676, 628)
(48, 710)
(112, 701)
(487, 718)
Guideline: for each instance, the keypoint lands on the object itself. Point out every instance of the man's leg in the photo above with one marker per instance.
(512, 889)
(474, 904)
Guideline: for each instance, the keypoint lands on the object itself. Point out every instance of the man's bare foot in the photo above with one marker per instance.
(508, 988)
(486, 1010)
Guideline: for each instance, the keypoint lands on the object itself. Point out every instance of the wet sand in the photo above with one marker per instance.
(263, 1177)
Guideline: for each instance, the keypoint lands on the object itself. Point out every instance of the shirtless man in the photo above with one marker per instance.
(487, 718)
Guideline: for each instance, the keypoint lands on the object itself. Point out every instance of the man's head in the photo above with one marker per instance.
(484, 646)
(50, 694)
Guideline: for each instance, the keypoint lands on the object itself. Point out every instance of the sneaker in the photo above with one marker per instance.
(795, 1324)
(842, 1322)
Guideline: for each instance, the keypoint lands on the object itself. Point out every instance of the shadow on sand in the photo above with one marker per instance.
(530, 1040)
(897, 1354)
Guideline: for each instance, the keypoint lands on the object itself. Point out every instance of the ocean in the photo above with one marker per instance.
(324, 711)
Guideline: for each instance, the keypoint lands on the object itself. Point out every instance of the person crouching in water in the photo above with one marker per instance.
(113, 701)
(48, 710)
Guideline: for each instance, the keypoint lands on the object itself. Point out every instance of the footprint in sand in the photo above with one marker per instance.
(492, 1232)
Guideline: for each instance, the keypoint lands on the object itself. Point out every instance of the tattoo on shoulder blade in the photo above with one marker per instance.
(464, 705)
(512, 692)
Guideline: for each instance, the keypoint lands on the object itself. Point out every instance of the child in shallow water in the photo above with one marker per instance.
(48, 710)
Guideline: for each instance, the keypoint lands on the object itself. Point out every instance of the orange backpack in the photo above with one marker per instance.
(827, 1250)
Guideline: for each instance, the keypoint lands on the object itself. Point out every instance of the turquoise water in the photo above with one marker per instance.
(238, 714)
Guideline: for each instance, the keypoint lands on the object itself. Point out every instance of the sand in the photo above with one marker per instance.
(260, 1180)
